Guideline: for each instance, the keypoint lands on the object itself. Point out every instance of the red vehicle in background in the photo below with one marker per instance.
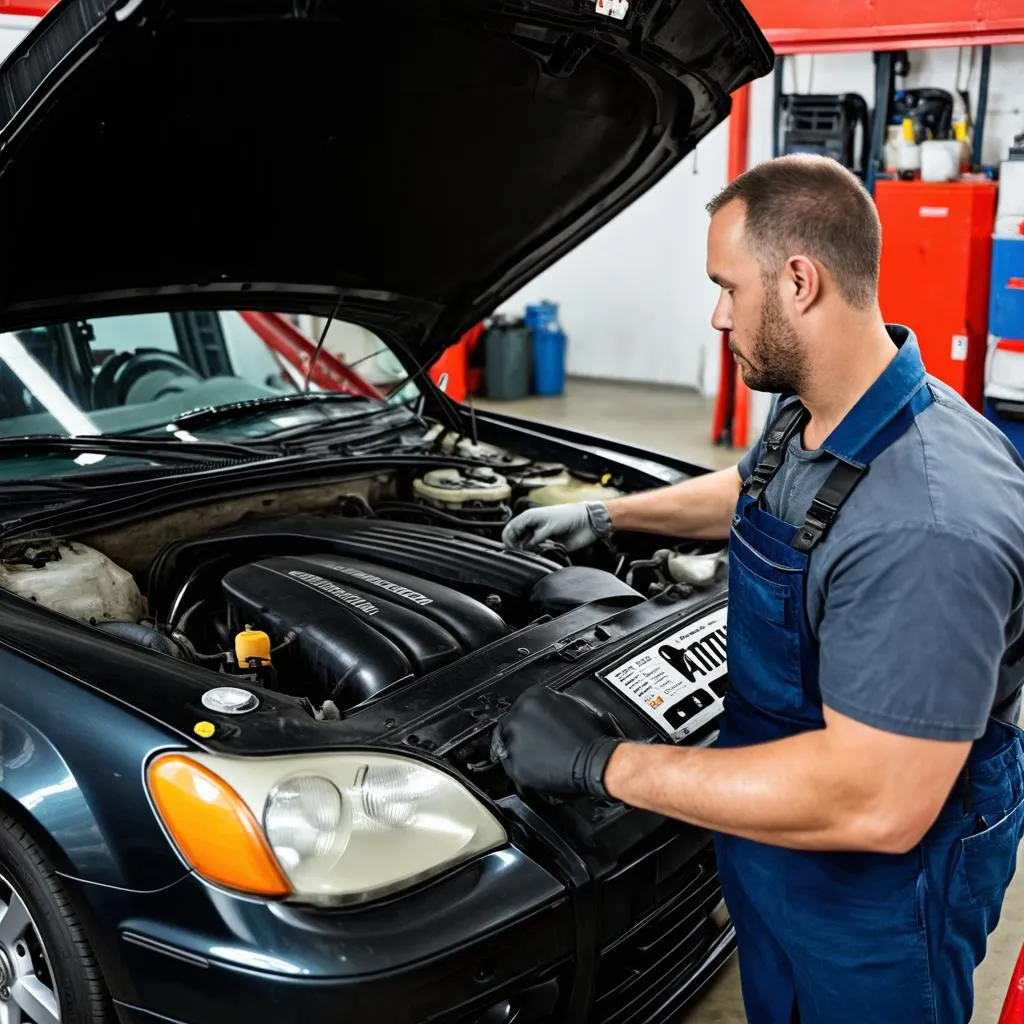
(296, 350)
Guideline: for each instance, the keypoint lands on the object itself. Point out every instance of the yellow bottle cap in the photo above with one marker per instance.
(908, 130)
(960, 131)
(252, 643)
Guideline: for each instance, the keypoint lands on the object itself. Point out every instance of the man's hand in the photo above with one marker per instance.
(574, 525)
(555, 744)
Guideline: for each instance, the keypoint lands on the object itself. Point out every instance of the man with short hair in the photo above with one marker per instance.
(867, 786)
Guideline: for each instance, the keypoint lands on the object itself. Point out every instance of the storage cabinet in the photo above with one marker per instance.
(935, 274)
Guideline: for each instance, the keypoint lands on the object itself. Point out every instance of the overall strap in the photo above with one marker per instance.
(776, 444)
(826, 504)
(846, 475)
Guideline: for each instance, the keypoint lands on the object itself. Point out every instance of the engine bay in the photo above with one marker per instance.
(351, 593)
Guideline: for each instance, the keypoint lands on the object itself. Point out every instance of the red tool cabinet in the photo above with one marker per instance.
(936, 269)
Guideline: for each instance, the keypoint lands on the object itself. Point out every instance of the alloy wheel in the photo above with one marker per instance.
(27, 992)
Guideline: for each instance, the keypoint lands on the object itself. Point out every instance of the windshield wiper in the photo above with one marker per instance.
(156, 448)
(213, 414)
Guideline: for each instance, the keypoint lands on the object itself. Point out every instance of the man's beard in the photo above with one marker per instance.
(776, 362)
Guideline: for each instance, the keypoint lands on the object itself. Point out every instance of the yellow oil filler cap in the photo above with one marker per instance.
(250, 644)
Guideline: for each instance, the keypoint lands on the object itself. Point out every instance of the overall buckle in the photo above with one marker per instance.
(815, 525)
(827, 503)
(759, 480)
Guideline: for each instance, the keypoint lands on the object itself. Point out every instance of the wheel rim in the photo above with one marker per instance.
(27, 990)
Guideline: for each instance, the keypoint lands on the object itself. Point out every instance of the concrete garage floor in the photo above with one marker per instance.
(678, 422)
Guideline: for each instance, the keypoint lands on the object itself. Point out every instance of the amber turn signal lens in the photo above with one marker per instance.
(213, 827)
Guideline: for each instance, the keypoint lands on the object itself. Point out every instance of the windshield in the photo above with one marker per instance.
(135, 374)
(139, 375)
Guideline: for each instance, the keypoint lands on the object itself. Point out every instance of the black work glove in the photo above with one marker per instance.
(555, 744)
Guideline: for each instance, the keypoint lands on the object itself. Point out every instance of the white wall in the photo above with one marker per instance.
(13, 28)
(634, 298)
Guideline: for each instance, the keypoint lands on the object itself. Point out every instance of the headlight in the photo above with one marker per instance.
(329, 828)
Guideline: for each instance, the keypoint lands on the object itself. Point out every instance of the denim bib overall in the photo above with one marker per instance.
(831, 938)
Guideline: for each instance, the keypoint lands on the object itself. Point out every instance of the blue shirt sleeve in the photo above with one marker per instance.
(913, 630)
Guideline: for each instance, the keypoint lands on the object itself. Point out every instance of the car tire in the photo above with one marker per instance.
(45, 958)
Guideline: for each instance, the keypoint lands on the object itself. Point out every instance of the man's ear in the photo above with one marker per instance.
(801, 283)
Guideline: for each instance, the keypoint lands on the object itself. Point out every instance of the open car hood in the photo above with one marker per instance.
(407, 164)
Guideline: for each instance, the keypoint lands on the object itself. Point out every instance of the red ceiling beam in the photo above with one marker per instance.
(794, 26)
(34, 8)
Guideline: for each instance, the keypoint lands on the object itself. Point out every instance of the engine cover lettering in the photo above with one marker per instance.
(394, 588)
(333, 590)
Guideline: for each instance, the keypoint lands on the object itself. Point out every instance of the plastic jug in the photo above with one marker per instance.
(507, 359)
(549, 344)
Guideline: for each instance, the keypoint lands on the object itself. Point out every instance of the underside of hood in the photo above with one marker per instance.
(418, 160)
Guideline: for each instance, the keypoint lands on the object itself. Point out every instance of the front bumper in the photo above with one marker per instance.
(533, 1001)
(500, 940)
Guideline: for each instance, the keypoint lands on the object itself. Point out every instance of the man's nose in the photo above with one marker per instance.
(721, 319)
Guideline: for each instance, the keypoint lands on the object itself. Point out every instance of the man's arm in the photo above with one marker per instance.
(845, 787)
(701, 508)
(911, 640)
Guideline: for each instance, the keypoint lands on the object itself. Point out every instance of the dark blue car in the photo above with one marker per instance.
(255, 636)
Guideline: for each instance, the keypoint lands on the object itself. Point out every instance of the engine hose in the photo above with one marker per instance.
(290, 637)
(555, 551)
(185, 616)
(187, 645)
(174, 614)
(650, 563)
(144, 636)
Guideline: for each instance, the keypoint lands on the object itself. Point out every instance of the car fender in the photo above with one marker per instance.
(71, 768)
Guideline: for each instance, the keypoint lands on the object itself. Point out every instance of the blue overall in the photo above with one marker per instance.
(836, 937)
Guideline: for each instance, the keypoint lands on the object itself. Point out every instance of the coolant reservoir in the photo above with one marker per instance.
(74, 580)
(574, 490)
(453, 488)
(542, 474)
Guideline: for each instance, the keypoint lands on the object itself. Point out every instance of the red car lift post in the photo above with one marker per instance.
(1013, 1007)
(732, 407)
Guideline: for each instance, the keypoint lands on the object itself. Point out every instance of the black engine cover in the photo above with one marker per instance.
(479, 567)
(359, 628)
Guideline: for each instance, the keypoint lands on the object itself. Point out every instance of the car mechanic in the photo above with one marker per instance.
(866, 789)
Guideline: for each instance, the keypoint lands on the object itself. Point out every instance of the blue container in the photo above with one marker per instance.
(1009, 418)
(548, 344)
(541, 315)
(549, 361)
(1006, 295)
